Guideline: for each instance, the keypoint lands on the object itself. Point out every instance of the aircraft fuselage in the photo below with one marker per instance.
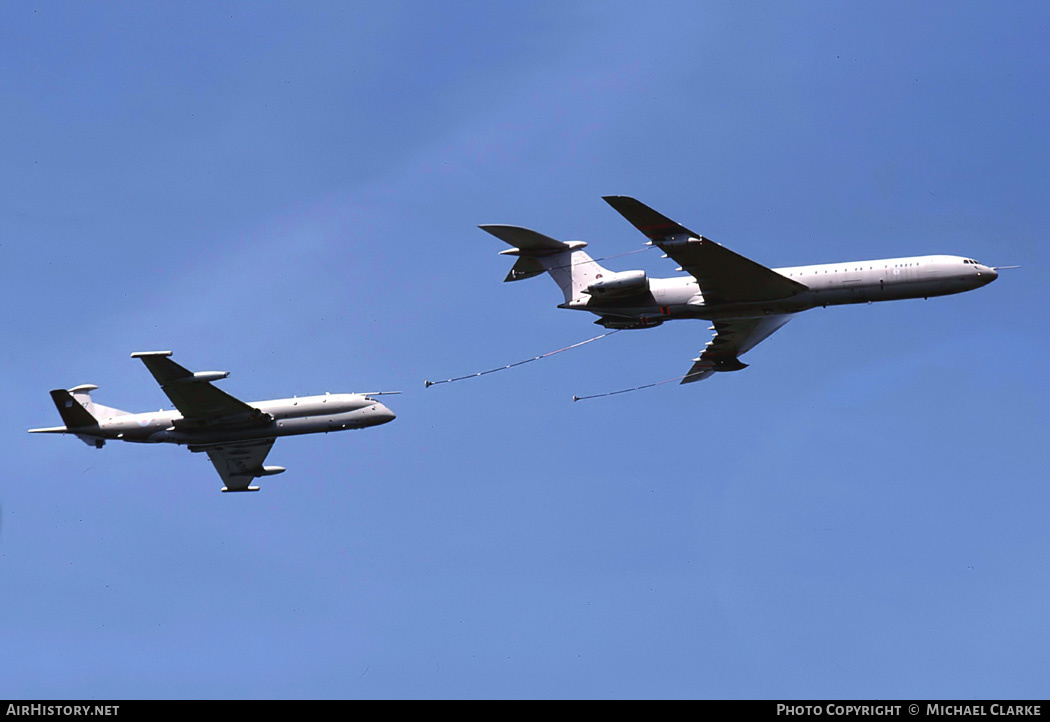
(829, 284)
(235, 435)
(278, 417)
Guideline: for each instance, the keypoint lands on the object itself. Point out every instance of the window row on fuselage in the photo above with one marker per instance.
(810, 271)
(931, 263)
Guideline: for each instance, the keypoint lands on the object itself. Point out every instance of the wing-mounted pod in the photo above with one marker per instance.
(168, 372)
(201, 404)
(201, 377)
(626, 323)
(703, 368)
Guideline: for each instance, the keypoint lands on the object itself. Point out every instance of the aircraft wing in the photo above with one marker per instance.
(197, 400)
(240, 462)
(733, 338)
(723, 276)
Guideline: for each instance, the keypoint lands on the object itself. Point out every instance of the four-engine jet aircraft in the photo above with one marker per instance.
(746, 301)
(236, 435)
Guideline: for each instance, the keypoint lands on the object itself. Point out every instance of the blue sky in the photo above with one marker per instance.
(291, 192)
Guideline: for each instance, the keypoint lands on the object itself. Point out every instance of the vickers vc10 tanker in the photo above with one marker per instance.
(746, 301)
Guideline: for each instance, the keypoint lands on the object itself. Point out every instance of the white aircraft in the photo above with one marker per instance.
(746, 301)
(236, 435)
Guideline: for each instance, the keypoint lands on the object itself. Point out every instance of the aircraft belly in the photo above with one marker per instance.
(787, 306)
(357, 419)
(923, 288)
(623, 304)
(372, 415)
(706, 312)
(313, 424)
(890, 288)
(133, 435)
(208, 438)
(135, 428)
(284, 427)
(854, 288)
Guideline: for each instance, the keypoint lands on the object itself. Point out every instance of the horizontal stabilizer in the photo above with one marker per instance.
(568, 264)
(528, 242)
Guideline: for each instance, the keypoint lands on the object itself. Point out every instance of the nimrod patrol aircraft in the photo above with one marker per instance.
(746, 301)
(236, 435)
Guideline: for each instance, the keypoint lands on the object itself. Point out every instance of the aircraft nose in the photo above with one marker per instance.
(988, 274)
(383, 414)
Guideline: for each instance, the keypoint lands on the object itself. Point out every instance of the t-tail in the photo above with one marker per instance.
(568, 264)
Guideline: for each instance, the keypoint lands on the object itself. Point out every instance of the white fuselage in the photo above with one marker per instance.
(828, 284)
(279, 417)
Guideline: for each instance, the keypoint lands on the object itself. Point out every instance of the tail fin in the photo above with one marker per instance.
(79, 414)
(570, 267)
(82, 395)
(73, 406)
